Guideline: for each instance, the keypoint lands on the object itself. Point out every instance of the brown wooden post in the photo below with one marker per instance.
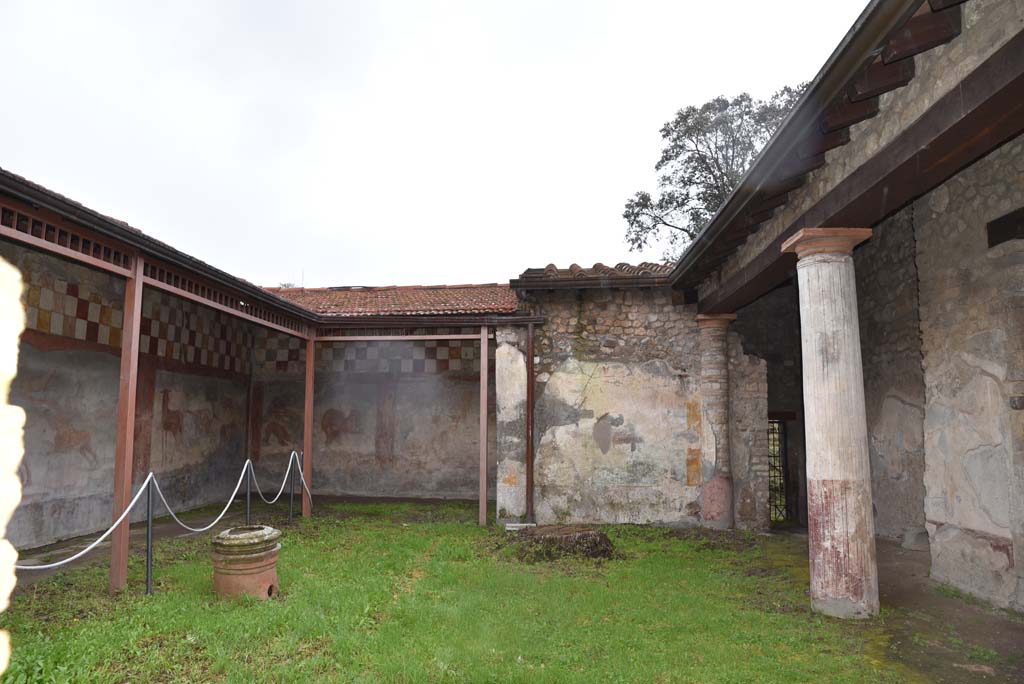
(483, 425)
(125, 444)
(307, 425)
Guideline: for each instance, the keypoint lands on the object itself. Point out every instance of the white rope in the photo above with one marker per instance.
(293, 459)
(231, 500)
(303, 479)
(96, 543)
(259, 491)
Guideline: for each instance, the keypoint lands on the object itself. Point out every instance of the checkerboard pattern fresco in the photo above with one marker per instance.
(279, 353)
(72, 301)
(66, 299)
(183, 330)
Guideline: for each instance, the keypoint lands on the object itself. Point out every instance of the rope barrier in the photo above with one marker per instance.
(231, 500)
(291, 461)
(151, 478)
(96, 543)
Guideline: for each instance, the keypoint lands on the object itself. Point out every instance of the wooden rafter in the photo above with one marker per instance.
(974, 118)
(880, 78)
(845, 113)
(923, 31)
(818, 143)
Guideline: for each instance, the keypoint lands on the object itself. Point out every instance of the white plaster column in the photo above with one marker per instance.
(841, 530)
(510, 397)
(716, 498)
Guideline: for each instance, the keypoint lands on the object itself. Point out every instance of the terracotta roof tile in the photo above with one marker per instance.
(414, 300)
(598, 275)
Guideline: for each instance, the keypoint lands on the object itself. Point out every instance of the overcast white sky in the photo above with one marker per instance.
(376, 143)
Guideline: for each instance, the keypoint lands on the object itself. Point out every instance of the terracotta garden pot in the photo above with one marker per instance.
(245, 561)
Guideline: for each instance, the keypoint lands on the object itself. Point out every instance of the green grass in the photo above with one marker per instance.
(410, 593)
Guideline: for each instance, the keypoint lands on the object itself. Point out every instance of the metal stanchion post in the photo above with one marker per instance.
(149, 537)
(292, 463)
(248, 492)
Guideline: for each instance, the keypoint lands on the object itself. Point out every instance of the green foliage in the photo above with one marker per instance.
(418, 593)
(707, 151)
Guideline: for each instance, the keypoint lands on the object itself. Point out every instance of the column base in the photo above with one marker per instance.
(844, 608)
(716, 505)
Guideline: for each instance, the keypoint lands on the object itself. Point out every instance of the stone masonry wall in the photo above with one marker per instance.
(748, 436)
(890, 339)
(618, 419)
(770, 329)
(971, 329)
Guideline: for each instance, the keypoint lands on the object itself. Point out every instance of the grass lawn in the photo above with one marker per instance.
(417, 593)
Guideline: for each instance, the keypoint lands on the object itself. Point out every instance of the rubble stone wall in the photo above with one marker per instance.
(618, 421)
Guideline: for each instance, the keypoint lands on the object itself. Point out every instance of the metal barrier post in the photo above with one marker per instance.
(292, 461)
(248, 491)
(149, 537)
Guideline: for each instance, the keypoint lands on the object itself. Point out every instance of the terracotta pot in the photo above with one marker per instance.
(245, 561)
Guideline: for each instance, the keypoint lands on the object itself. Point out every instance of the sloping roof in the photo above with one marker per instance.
(337, 302)
(645, 274)
(414, 300)
(874, 57)
(41, 196)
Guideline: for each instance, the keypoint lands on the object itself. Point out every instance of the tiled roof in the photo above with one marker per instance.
(126, 232)
(598, 275)
(415, 300)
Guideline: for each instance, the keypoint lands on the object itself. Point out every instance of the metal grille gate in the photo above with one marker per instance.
(777, 466)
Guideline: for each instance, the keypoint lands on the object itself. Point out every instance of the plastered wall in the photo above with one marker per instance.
(191, 410)
(390, 419)
(970, 310)
(618, 424)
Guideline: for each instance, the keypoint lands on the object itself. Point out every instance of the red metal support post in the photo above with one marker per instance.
(483, 425)
(307, 426)
(125, 444)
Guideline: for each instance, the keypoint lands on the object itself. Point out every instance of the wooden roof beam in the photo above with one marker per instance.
(938, 5)
(784, 186)
(981, 113)
(819, 143)
(845, 113)
(880, 78)
(922, 32)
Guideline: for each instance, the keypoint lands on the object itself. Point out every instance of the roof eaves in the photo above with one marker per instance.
(860, 44)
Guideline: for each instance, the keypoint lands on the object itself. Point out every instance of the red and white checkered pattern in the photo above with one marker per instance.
(179, 329)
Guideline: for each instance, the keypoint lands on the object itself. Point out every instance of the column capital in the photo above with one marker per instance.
(808, 241)
(715, 320)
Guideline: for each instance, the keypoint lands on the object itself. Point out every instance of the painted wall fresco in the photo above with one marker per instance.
(391, 419)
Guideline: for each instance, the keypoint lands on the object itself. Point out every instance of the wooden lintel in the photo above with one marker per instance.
(845, 113)
(880, 78)
(922, 32)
